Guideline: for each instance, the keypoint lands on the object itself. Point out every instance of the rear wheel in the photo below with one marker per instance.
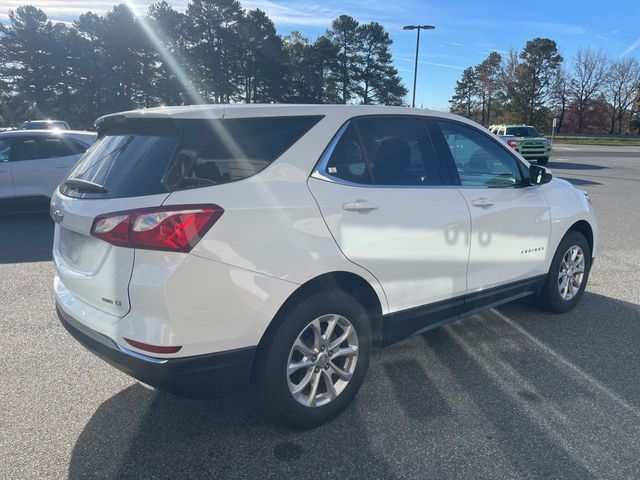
(568, 274)
(313, 364)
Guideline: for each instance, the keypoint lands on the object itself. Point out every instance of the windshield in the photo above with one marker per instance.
(43, 125)
(523, 132)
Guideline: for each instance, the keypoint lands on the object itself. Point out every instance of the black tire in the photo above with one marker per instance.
(542, 161)
(270, 387)
(550, 295)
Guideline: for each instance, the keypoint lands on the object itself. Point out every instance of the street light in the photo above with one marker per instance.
(415, 68)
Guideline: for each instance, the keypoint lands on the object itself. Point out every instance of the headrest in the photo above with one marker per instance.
(393, 154)
(479, 162)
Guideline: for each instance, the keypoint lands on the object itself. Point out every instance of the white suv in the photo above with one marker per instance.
(34, 162)
(207, 249)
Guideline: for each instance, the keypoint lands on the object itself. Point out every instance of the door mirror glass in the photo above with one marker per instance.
(539, 175)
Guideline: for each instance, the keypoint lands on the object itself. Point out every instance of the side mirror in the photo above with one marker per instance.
(539, 175)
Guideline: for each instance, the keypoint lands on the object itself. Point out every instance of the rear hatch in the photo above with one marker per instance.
(133, 167)
(123, 170)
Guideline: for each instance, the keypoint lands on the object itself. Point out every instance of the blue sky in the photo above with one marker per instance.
(466, 30)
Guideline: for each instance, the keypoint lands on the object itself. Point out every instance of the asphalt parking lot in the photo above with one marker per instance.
(512, 393)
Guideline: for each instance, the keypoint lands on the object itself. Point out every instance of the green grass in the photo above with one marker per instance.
(597, 140)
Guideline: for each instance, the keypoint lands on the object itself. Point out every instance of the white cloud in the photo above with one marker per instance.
(425, 62)
(631, 48)
(284, 12)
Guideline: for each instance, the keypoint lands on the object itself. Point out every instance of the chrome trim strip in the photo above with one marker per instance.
(320, 171)
(140, 356)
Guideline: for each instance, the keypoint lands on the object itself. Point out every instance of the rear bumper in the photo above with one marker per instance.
(210, 375)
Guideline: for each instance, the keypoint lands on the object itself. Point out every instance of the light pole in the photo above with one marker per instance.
(415, 68)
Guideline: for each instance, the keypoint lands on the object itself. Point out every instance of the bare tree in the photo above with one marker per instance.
(487, 74)
(622, 89)
(589, 75)
(560, 96)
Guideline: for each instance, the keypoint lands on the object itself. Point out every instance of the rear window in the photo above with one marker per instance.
(152, 156)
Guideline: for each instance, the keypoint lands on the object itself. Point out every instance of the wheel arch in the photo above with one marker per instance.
(349, 282)
(583, 227)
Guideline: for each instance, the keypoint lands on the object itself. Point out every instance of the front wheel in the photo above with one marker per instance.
(542, 161)
(312, 365)
(568, 274)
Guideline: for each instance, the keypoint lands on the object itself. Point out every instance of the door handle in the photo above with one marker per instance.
(359, 206)
(482, 203)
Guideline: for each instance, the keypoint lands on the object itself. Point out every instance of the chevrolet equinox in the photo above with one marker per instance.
(210, 249)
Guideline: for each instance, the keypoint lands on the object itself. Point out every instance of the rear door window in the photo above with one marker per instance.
(54, 147)
(398, 150)
(386, 151)
(347, 160)
(138, 157)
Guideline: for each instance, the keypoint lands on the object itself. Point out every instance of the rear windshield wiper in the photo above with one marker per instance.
(84, 185)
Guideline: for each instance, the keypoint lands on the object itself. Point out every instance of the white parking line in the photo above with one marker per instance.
(570, 149)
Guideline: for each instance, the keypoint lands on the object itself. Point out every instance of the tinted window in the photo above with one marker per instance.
(222, 151)
(24, 148)
(399, 151)
(480, 161)
(59, 147)
(136, 157)
(5, 149)
(347, 159)
(37, 148)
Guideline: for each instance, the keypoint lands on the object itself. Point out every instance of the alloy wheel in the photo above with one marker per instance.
(322, 360)
(571, 273)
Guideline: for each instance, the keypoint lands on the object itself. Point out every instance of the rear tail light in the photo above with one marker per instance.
(174, 228)
(512, 143)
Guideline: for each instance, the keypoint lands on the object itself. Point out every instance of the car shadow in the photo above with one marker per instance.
(482, 393)
(553, 165)
(581, 181)
(27, 237)
(143, 433)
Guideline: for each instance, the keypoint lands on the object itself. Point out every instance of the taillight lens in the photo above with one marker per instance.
(175, 228)
(512, 143)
